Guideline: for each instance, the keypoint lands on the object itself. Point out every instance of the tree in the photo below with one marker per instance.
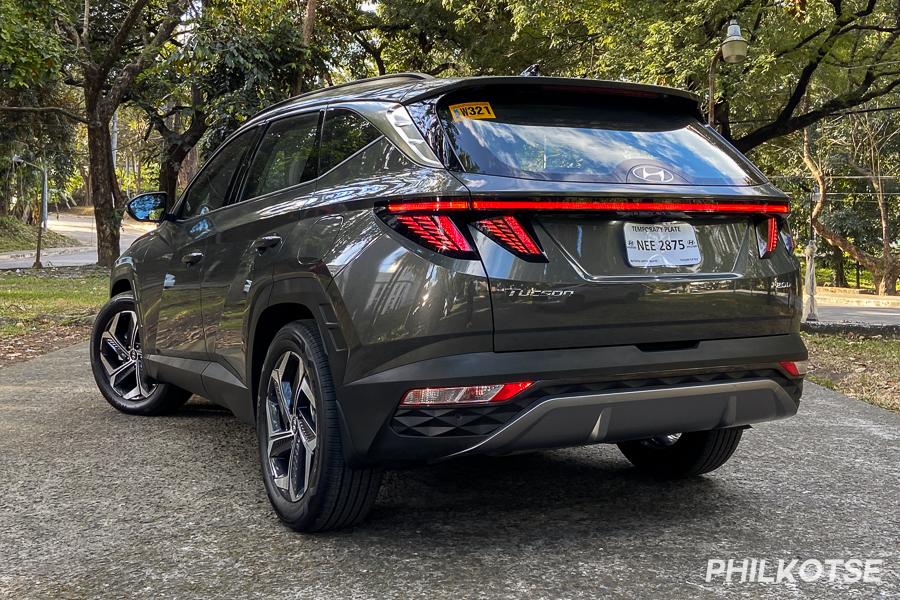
(865, 152)
(239, 57)
(838, 53)
(106, 46)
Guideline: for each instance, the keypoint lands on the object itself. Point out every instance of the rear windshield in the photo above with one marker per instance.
(586, 138)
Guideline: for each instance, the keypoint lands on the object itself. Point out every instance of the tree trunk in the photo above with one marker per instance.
(837, 263)
(886, 283)
(106, 214)
(169, 166)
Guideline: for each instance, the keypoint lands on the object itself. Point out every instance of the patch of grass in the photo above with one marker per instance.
(16, 235)
(861, 366)
(34, 301)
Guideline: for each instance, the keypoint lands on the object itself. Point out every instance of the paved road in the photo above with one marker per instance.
(81, 228)
(859, 314)
(94, 503)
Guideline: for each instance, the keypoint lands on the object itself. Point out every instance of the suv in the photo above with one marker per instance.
(407, 269)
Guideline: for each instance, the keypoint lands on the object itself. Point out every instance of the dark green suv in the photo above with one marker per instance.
(407, 269)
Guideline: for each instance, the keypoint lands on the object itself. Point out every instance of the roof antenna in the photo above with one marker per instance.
(532, 71)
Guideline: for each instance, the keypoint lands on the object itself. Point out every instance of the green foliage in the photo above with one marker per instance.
(28, 56)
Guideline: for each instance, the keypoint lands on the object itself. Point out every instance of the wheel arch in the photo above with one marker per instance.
(119, 286)
(292, 299)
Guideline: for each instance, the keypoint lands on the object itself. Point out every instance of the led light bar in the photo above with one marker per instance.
(626, 206)
(726, 207)
(473, 394)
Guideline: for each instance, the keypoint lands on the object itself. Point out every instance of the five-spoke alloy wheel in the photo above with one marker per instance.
(117, 361)
(121, 357)
(291, 419)
(308, 481)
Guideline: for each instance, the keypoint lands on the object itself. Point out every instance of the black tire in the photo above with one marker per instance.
(691, 454)
(333, 495)
(152, 397)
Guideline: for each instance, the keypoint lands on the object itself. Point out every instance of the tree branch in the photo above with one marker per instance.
(47, 109)
(128, 74)
(114, 52)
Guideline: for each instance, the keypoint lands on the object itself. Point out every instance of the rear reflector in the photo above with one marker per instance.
(475, 394)
(489, 204)
(795, 368)
(507, 231)
(436, 232)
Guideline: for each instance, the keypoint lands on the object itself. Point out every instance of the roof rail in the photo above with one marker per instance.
(405, 75)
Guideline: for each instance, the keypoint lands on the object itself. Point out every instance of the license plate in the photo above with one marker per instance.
(661, 245)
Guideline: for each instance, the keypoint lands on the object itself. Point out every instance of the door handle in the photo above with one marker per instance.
(192, 259)
(266, 242)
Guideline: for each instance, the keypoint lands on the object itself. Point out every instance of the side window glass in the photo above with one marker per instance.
(286, 156)
(209, 190)
(343, 134)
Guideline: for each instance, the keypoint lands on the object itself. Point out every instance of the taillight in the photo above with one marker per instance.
(767, 237)
(436, 232)
(472, 394)
(439, 223)
(509, 232)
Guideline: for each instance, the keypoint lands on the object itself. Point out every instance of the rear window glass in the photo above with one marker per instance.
(586, 138)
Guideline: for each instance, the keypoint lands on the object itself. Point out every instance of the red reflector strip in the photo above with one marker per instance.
(795, 368)
(508, 232)
(428, 206)
(437, 232)
(591, 205)
(511, 389)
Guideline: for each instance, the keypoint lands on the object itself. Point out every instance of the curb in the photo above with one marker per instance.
(876, 302)
(19, 254)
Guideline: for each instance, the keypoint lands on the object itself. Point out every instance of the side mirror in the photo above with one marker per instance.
(150, 207)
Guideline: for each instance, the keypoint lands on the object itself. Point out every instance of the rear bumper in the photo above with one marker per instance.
(617, 416)
(581, 396)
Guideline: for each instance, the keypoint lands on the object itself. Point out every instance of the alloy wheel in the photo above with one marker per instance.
(291, 425)
(122, 358)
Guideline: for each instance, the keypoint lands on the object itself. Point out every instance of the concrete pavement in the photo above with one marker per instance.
(94, 503)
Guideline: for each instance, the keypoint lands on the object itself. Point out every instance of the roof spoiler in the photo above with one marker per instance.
(688, 101)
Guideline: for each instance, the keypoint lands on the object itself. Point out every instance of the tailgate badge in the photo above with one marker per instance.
(652, 174)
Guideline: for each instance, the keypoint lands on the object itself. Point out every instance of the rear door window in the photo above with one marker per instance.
(286, 156)
(344, 133)
(209, 190)
(587, 138)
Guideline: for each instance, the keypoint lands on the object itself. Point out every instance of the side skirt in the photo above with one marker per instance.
(204, 378)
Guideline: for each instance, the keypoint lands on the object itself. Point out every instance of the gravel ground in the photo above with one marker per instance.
(94, 503)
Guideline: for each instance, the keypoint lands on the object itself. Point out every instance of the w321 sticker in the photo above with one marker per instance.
(472, 110)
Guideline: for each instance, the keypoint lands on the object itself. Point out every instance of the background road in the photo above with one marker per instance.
(876, 315)
(81, 228)
(94, 503)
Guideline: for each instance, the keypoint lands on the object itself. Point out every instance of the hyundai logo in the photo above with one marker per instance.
(652, 174)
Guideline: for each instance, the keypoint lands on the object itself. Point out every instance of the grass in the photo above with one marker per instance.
(866, 367)
(32, 301)
(825, 274)
(16, 235)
